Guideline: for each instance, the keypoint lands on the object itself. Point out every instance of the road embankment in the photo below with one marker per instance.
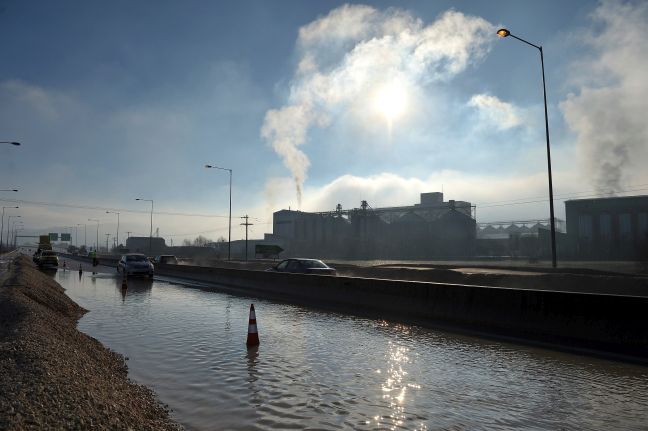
(52, 376)
(606, 324)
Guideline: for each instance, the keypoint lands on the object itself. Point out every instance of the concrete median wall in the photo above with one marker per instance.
(612, 324)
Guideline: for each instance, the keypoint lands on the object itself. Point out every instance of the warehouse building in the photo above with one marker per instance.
(429, 229)
(608, 228)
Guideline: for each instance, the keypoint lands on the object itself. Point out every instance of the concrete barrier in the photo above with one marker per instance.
(610, 324)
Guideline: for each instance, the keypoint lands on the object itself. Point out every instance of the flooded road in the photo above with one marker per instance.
(321, 370)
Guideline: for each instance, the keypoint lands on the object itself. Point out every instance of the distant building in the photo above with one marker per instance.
(430, 229)
(608, 228)
(140, 244)
(518, 238)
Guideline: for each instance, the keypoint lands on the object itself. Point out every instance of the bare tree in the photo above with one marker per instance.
(201, 241)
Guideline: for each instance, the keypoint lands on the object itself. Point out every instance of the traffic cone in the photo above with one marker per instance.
(253, 334)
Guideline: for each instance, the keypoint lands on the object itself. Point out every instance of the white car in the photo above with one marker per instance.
(135, 263)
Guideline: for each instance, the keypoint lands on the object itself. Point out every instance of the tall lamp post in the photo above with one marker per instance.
(502, 32)
(115, 212)
(151, 232)
(85, 234)
(10, 142)
(18, 229)
(9, 190)
(2, 226)
(97, 243)
(229, 235)
(8, 225)
(14, 229)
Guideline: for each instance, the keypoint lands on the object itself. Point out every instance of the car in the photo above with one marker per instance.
(47, 258)
(135, 264)
(303, 266)
(167, 259)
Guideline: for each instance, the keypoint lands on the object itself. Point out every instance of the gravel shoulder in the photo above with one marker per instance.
(52, 376)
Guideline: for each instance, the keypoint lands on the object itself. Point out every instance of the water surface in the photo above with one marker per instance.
(322, 370)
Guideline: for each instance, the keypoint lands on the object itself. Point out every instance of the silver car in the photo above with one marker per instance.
(303, 266)
(135, 263)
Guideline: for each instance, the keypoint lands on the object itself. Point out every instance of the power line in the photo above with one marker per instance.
(198, 233)
(564, 197)
(634, 188)
(89, 207)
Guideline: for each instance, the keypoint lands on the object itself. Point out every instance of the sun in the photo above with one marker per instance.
(391, 101)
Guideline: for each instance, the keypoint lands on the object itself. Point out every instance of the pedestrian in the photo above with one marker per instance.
(95, 261)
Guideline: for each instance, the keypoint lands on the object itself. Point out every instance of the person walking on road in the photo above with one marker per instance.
(95, 261)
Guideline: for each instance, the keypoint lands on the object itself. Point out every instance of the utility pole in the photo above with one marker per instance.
(107, 236)
(246, 224)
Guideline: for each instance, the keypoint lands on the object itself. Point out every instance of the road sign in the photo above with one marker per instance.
(267, 250)
(66, 237)
(53, 237)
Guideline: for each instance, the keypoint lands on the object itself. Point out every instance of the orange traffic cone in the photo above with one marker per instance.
(253, 334)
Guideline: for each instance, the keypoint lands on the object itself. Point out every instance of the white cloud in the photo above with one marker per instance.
(388, 189)
(501, 114)
(608, 113)
(349, 54)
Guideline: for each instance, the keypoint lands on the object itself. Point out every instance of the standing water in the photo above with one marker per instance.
(322, 370)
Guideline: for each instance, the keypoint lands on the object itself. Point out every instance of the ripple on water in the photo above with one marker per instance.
(318, 370)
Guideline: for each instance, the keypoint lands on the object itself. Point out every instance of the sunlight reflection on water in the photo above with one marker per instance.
(331, 371)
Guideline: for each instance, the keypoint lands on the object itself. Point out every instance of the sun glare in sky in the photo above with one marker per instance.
(391, 101)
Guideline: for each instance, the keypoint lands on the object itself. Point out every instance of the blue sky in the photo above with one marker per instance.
(119, 100)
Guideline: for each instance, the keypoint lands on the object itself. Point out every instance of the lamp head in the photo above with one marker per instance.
(502, 32)
(15, 143)
(208, 166)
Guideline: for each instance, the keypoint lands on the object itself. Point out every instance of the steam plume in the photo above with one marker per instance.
(345, 55)
(608, 114)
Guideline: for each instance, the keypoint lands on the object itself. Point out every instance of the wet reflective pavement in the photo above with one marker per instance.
(322, 370)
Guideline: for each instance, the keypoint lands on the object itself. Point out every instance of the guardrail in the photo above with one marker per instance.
(614, 325)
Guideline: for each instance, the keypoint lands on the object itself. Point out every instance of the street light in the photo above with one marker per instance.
(10, 142)
(97, 243)
(13, 232)
(85, 234)
(8, 224)
(9, 190)
(229, 235)
(151, 233)
(19, 229)
(2, 226)
(115, 212)
(502, 32)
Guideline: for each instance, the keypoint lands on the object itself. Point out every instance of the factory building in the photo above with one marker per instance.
(608, 228)
(429, 229)
(141, 244)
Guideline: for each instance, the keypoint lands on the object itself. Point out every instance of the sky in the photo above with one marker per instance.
(311, 104)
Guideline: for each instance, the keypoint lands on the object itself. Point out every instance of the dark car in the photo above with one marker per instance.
(303, 266)
(168, 259)
(135, 263)
(47, 258)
